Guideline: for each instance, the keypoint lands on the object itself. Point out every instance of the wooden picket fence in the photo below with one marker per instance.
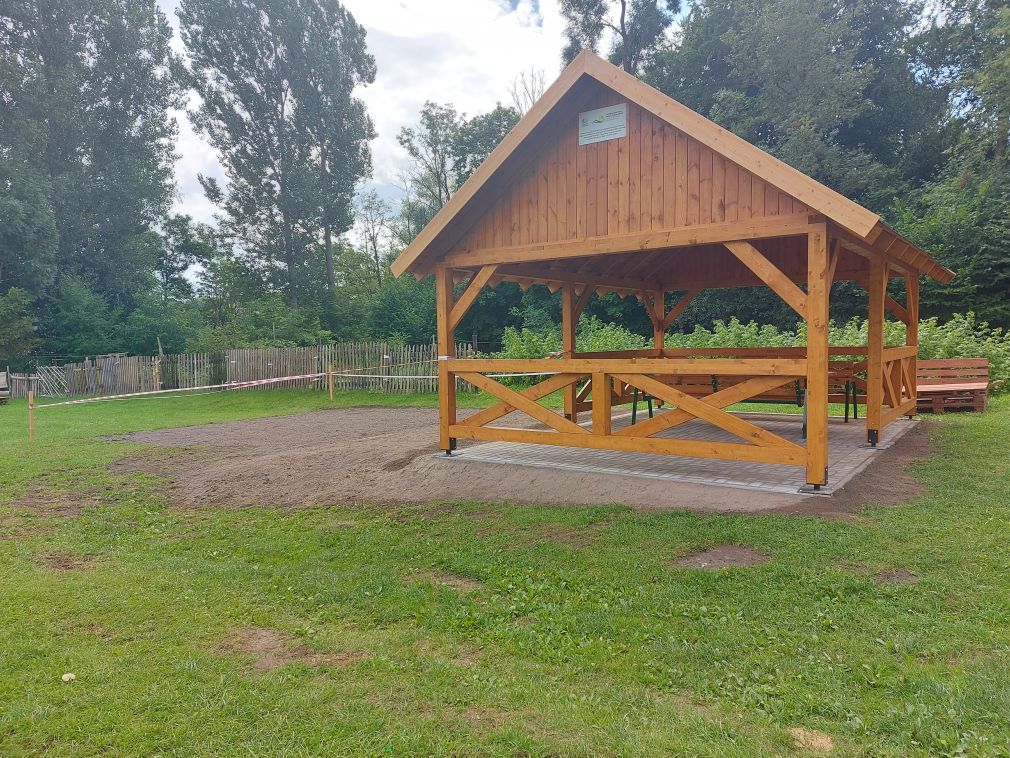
(376, 366)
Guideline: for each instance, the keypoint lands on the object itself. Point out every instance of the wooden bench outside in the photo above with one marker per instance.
(952, 383)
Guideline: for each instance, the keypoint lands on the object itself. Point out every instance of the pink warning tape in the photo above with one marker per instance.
(227, 386)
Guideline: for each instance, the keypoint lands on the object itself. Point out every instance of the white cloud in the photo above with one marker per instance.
(464, 52)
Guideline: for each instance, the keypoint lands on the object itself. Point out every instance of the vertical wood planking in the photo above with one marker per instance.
(588, 225)
(634, 182)
(623, 169)
(705, 189)
(617, 184)
(658, 175)
(732, 187)
(603, 185)
(580, 184)
(682, 171)
(719, 189)
(669, 176)
(552, 194)
(693, 182)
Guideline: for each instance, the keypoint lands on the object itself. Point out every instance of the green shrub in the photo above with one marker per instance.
(963, 336)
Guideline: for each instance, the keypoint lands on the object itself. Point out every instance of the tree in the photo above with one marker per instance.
(183, 245)
(962, 215)
(28, 236)
(475, 138)
(17, 326)
(374, 221)
(430, 147)
(638, 28)
(275, 79)
(832, 87)
(86, 134)
(81, 321)
(526, 88)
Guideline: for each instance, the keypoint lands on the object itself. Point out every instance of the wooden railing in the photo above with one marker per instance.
(608, 383)
(899, 382)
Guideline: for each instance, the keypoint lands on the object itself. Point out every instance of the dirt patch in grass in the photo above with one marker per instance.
(270, 649)
(728, 555)
(811, 741)
(896, 576)
(887, 481)
(59, 561)
(447, 579)
(40, 500)
(386, 457)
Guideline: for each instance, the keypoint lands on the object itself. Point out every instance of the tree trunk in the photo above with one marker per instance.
(331, 281)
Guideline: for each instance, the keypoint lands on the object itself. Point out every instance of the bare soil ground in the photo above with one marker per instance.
(387, 456)
(723, 556)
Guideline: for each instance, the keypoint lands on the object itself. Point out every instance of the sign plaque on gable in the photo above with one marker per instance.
(603, 124)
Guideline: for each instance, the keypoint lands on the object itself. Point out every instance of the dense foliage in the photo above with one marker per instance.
(904, 107)
(960, 336)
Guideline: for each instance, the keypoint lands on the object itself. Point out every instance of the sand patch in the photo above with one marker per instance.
(60, 561)
(896, 576)
(270, 649)
(447, 579)
(728, 555)
(811, 741)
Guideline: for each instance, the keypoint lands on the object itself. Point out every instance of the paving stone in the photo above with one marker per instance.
(847, 455)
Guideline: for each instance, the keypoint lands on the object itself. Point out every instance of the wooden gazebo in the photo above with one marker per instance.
(607, 185)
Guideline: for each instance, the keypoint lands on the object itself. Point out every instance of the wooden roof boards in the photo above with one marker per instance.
(644, 209)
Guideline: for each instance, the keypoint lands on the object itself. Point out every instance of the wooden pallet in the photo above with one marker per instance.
(952, 383)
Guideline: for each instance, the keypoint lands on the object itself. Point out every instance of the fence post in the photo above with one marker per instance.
(31, 416)
(329, 380)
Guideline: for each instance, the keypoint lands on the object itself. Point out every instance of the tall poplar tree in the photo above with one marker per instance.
(276, 81)
(86, 140)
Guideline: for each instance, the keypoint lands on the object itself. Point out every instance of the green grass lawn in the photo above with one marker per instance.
(482, 629)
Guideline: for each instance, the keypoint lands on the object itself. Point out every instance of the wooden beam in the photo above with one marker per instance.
(569, 323)
(470, 294)
(521, 403)
(699, 408)
(602, 404)
(758, 228)
(691, 448)
(896, 308)
(678, 309)
(770, 274)
(912, 331)
(817, 356)
(790, 367)
(875, 343)
(720, 399)
(836, 252)
(446, 340)
(536, 392)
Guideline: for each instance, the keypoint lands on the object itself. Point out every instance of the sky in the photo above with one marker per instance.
(464, 52)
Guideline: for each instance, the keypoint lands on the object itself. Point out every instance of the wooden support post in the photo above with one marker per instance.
(658, 314)
(912, 332)
(877, 287)
(31, 416)
(817, 356)
(603, 395)
(329, 380)
(569, 322)
(446, 343)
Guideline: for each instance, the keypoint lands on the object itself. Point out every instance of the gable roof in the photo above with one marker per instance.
(865, 228)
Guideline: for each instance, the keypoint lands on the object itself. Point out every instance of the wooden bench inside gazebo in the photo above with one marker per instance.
(608, 186)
